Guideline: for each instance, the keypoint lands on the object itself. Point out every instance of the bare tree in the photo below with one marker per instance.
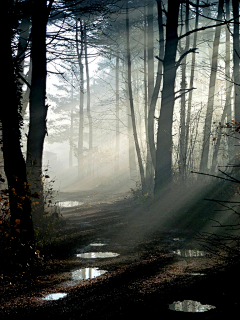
(211, 92)
(140, 164)
(81, 115)
(38, 107)
(163, 172)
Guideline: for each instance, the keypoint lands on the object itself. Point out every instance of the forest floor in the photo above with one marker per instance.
(159, 261)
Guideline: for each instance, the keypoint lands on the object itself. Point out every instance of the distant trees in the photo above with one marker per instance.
(211, 92)
(143, 79)
(140, 164)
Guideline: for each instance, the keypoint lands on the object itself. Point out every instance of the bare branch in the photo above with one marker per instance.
(185, 91)
(204, 28)
(211, 175)
(184, 55)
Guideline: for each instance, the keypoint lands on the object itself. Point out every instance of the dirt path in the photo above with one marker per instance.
(155, 267)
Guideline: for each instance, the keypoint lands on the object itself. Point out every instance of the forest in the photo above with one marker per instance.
(119, 126)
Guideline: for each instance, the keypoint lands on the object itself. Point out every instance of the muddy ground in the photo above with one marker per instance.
(160, 260)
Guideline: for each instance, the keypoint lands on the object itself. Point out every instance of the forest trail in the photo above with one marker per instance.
(154, 267)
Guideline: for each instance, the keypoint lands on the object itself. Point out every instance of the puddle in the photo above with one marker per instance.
(189, 253)
(97, 244)
(195, 274)
(189, 306)
(87, 273)
(93, 255)
(55, 296)
(69, 204)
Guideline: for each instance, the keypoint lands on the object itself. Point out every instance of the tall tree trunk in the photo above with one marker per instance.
(145, 72)
(22, 234)
(117, 116)
(150, 63)
(227, 107)
(163, 172)
(80, 131)
(90, 141)
(132, 106)
(151, 131)
(211, 93)
(131, 148)
(71, 130)
(38, 107)
(182, 142)
(191, 83)
(236, 55)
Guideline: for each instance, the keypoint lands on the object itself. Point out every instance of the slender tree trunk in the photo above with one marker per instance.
(80, 132)
(228, 85)
(90, 141)
(71, 130)
(145, 73)
(227, 107)
(22, 233)
(150, 63)
(182, 142)
(236, 58)
(151, 131)
(38, 107)
(131, 148)
(191, 83)
(117, 116)
(132, 107)
(163, 172)
(211, 93)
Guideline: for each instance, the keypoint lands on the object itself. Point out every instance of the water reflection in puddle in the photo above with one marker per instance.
(189, 253)
(69, 204)
(55, 296)
(92, 255)
(190, 306)
(87, 273)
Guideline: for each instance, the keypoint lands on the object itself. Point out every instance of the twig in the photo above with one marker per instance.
(211, 175)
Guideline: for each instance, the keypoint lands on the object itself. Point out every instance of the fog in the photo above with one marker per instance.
(110, 164)
(106, 70)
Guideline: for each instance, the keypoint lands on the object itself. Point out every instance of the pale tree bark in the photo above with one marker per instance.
(151, 119)
(163, 172)
(90, 141)
(145, 72)
(117, 117)
(131, 147)
(71, 129)
(140, 164)
(227, 106)
(182, 138)
(211, 93)
(191, 83)
(81, 115)
(150, 64)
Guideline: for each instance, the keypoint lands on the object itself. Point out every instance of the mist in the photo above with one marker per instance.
(119, 134)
